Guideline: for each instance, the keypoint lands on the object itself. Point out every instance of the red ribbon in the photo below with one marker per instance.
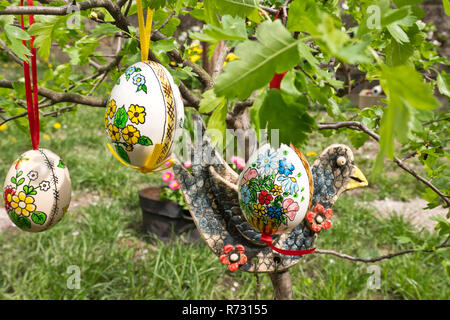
(267, 238)
(32, 95)
(275, 83)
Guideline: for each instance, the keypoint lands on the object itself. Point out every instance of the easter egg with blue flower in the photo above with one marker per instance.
(275, 189)
(144, 115)
(37, 190)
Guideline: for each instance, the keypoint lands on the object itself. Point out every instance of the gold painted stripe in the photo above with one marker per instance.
(170, 109)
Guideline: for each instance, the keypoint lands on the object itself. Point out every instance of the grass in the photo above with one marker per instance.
(103, 237)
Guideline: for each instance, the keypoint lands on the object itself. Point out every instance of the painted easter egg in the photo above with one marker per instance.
(275, 189)
(37, 190)
(145, 114)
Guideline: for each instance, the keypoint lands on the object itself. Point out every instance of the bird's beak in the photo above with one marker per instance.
(357, 179)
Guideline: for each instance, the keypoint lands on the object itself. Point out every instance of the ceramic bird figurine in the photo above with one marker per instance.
(375, 91)
(211, 194)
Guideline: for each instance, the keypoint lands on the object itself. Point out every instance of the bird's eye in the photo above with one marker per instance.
(341, 161)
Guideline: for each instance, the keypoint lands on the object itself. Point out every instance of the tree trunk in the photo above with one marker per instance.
(282, 285)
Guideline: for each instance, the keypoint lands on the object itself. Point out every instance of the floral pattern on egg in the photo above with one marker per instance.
(275, 189)
(37, 190)
(144, 110)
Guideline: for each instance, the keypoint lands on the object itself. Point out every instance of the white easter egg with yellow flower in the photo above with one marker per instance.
(145, 114)
(275, 189)
(37, 190)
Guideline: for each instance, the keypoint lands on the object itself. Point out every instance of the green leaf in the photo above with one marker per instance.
(4, 4)
(170, 28)
(43, 29)
(446, 263)
(443, 83)
(283, 219)
(21, 181)
(286, 113)
(210, 13)
(15, 36)
(403, 239)
(446, 4)
(19, 173)
(145, 141)
(120, 120)
(275, 52)
(397, 33)
(122, 153)
(39, 217)
(217, 125)
(230, 29)
(13, 180)
(241, 8)
(162, 46)
(402, 99)
(29, 190)
(210, 102)
(443, 225)
(143, 88)
(23, 223)
(264, 218)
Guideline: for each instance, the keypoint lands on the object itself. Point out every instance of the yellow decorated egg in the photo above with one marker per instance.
(275, 189)
(37, 190)
(145, 114)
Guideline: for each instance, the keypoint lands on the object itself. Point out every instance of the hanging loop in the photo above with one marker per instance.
(145, 29)
(31, 94)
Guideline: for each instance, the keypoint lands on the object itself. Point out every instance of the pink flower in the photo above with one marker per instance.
(234, 159)
(188, 164)
(174, 185)
(167, 176)
(240, 164)
(248, 175)
(290, 208)
(169, 162)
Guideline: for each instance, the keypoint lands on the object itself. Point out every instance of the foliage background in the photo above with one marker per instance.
(328, 52)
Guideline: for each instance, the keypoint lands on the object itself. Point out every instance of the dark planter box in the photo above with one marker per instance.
(166, 219)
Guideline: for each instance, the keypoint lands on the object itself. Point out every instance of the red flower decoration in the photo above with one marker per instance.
(8, 191)
(233, 257)
(320, 218)
(264, 197)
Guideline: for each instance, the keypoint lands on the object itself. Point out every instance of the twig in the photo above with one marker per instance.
(112, 7)
(269, 10)
(10, 53)
(57, 97)
(172, 13)
(362, 127)
(387, 256)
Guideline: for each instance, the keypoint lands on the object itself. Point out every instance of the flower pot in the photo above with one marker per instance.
(165, 219)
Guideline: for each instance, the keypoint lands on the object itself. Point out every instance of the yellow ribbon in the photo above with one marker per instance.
(150, 164)
(145, 29)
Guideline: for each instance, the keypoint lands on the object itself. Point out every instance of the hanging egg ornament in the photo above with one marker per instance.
(275, 189)
(37, 190)
(145, 114)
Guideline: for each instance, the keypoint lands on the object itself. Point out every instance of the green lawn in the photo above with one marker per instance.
(103, 237)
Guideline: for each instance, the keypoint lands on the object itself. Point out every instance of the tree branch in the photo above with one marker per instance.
(57, 97)
(112, 7)
(376, 259)
(355, 125)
